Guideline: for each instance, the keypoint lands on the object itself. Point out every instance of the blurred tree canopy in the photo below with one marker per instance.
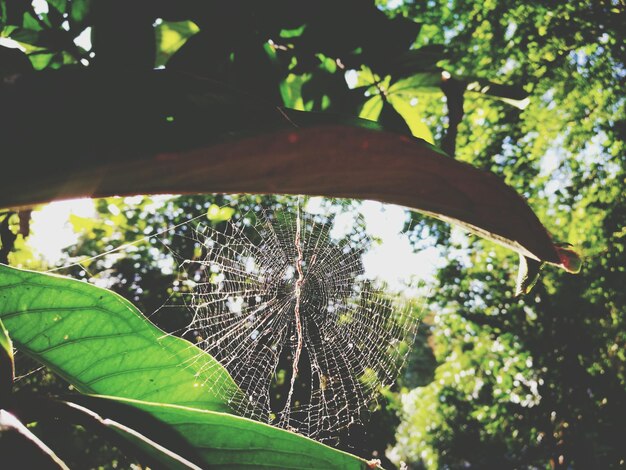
(531, 91)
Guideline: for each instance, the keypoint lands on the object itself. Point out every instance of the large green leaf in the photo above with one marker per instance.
(100, 343)
(225, 440)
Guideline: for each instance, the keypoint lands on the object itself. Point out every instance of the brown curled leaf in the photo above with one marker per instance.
(75, 133)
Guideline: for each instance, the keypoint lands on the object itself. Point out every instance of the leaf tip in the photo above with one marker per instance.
(570, 260)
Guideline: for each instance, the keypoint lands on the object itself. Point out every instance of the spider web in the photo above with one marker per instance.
(286, 307)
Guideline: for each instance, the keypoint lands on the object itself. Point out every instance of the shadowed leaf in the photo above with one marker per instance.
(172, 133)
(118, 422)
(19, 444)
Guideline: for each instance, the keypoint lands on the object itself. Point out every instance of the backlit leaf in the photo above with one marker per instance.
(198, 136)
(170, 36)
(100, 343)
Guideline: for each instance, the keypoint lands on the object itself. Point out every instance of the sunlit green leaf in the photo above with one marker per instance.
(101, 343)
(41, 60)
(412, 117)
(365, 77)
(27, 38)
(327, 63)
(170, 36)
(219, 214)
(30, 22)
(291, 91)
(372, 108)
(292, 33)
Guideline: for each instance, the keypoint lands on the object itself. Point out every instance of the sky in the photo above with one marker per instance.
(51, 230)
(392, 260)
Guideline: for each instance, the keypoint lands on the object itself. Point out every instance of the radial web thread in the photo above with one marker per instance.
(288, 310)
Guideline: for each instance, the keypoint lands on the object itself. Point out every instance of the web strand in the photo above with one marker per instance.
(296, 311)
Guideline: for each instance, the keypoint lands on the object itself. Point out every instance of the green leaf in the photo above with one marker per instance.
(60, 5)
(12, 12)
(6, 347)
(7, 368)
(366, 77)
(80, 9)
(40, 60)
(391, 119)
(291, 90)
(30, 22)
(412, 117)
(170, 36)
(27, 38)
(418, 83)
(100, 343)
(372, 108)
(219, 214)
(235, 442)
(292, 33)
